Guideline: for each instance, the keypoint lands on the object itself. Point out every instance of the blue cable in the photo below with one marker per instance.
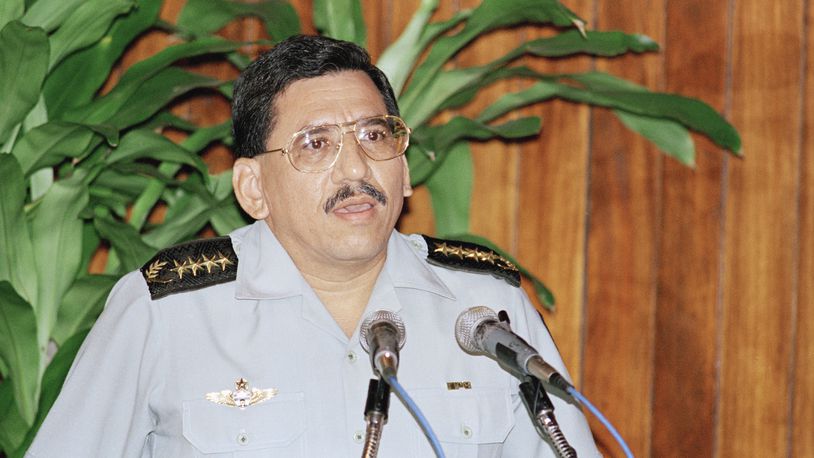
(584, 401)
(413, 408)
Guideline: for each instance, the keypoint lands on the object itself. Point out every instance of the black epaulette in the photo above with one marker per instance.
(192, 265)
(470, 257)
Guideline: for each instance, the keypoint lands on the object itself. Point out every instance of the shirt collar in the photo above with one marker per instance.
(258, 277)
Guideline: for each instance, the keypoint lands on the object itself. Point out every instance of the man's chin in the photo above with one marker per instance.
(357, 246)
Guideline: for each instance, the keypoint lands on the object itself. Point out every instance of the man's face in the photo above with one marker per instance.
(314, 215)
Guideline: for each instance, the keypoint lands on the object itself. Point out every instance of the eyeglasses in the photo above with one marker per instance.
(316, 149)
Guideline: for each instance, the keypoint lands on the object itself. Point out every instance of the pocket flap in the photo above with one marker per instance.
(214, 428)
(477, 415)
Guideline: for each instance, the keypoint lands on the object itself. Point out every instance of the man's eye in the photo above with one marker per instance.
(374, 135)
(315, 144)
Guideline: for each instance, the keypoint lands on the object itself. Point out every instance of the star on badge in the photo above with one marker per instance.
(243, 396)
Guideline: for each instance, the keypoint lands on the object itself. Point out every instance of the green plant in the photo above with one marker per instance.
(81, 169)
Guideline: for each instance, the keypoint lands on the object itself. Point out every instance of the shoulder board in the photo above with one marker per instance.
(470, 257)
(192, 265)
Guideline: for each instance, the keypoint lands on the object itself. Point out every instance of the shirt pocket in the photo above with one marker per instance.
(472, 422)
(276, 425)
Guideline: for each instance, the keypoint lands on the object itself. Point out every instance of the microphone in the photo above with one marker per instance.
(382, 335)
(478, 331)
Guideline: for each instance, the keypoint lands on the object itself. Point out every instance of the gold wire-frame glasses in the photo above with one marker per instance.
(316, 148)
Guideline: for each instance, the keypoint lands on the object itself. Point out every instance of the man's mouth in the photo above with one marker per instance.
(347, 199)
(354, 208)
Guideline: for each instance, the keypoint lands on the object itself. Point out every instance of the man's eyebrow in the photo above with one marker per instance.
(324, 123)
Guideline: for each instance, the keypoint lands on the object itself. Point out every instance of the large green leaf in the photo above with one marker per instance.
(13, 427)
(151, 79)
(398, 59)
(86, 25)
(432, 143)
(668, 135)
(52, 381)
(57, 232)
(459, 128)
(451, 191)
(23, 65)
(541, 290)
(489, 15)
(607, 90)
(341, 19)
(604, 90)
(17, 258)
(145, 99)
(197, 141)
(225, 217)
(156, 93)
(200, 17)
(50, 143)
(572, 42)
(442, 87)
(131, 251)
(49, 14)
(141, 144)
(86, 70)
(10, 10)
(82, 303)
(19, 349)
(187, 223)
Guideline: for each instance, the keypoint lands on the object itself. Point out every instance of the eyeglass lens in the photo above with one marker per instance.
(381, 138)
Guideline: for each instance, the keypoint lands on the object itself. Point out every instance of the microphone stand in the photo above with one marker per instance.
(376, 408)
(541, 411)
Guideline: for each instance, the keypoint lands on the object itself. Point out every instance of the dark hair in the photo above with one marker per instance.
(298, 57)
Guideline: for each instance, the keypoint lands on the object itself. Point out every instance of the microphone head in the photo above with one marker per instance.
(381, 317)
(467, 324)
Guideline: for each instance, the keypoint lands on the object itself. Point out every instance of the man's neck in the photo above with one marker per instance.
(346, 296)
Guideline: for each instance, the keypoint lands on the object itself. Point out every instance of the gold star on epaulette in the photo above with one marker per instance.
(180, 269)
(208, 263)
(223, 261)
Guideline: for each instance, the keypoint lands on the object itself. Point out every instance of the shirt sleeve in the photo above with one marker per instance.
(103, 407)
(523, 440)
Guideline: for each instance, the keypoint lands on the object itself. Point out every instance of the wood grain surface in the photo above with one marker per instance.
(684, 296)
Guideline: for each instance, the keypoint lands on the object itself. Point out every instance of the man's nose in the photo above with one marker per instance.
(352, 164)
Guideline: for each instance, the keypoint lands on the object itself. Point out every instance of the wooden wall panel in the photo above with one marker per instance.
(622, 237)
(761, 226)
(553, 207)
(803, 382)
(684, 392)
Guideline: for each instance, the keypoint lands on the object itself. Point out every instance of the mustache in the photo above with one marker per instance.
(348, 191)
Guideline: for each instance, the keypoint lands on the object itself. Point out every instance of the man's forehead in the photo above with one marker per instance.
(327, 99)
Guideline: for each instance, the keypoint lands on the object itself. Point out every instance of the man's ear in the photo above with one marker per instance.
(406, 187)
(248, 187)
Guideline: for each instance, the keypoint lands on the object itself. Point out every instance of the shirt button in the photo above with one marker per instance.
(351, 356)
(466, 431)
(243, 438)
(358, 437)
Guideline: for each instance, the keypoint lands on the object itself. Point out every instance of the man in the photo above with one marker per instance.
(248, 345)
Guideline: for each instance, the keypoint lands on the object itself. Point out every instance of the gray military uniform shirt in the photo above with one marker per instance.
(139, 385)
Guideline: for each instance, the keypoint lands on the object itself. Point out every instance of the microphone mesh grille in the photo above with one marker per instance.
(466, 324)
(377, 317)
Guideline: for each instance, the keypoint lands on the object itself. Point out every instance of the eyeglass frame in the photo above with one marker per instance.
(342, 126)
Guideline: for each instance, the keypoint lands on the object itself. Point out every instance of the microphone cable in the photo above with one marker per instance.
(584, 401)
(416, 412)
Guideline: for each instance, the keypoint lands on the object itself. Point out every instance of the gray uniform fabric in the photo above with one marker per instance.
(138, 385)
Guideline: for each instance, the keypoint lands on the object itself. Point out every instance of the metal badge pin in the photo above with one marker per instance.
(243, 396)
